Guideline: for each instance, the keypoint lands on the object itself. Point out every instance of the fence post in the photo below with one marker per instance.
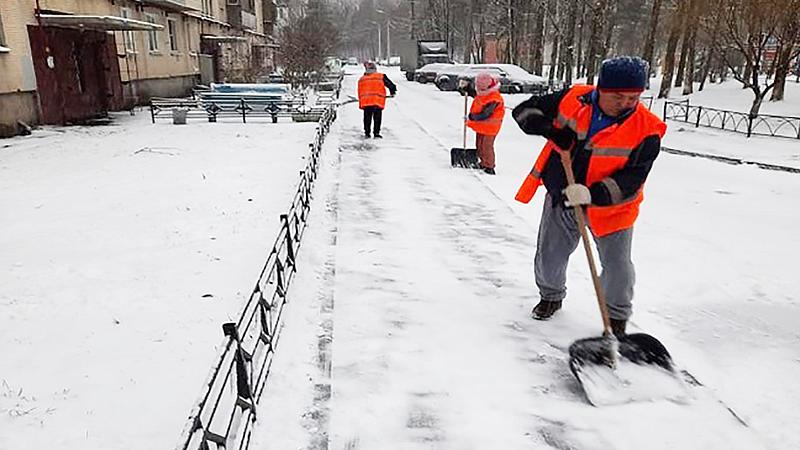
(686, 115)
(724, 112)
(243, 388)
(152, 112)
(699, 112)
(244, 112)
(289, 241)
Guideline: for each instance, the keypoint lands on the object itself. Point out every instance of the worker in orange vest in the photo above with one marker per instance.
(613, 141)
(485, 116)
(372, 97)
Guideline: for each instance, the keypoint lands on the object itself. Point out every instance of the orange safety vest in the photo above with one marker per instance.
(610, 149)
(490, 126)
(371, 91)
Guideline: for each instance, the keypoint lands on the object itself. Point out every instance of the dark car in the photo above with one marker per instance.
(429, 72)
(513, 79)
(447, 79)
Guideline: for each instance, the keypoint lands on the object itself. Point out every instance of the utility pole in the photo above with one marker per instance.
(388, 40)
(379, 43)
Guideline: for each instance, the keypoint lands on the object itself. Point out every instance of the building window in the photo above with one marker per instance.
(152, 35)
(128, 36)
(206, 7)
(172, 28)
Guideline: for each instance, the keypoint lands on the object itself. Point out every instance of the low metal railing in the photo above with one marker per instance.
(739, 122)
(223, 416)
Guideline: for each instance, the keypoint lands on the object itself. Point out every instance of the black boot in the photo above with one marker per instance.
(618, 327)
(545, 310)
(378, 135)
(366, 135)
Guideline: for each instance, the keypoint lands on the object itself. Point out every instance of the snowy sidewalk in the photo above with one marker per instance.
(424, 282)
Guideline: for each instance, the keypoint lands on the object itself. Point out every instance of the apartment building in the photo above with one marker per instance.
(67, 61)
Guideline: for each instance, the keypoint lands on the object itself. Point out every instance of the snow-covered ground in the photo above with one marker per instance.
(123, 250)
(413, 331)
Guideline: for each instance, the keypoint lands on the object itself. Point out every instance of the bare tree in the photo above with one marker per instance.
(692, 23)
(749, 26)
(307, 39)
(599, 23)
(788, 47)
(668, 69)
(650, 40)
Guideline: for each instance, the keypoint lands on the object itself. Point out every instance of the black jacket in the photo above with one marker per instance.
(536, 115)
(389, 85)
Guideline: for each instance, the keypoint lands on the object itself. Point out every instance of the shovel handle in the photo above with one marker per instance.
(465, 121)
(579, 216)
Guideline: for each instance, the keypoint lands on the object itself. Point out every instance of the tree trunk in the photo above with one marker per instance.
(579, 63)
(595, 38)
(568, 52)
(782, 66)
(669, 58)
(688, 76)
(537, 57)
(692, 22)
(684, 54)
(650, 40)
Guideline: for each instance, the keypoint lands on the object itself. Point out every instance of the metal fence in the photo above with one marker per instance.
(224, 414)
(759, 125)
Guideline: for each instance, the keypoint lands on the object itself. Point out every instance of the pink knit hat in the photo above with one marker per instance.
(485, 83)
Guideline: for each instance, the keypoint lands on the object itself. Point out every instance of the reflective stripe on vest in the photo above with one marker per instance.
(610, 149)
(490, 126)
(371, 91)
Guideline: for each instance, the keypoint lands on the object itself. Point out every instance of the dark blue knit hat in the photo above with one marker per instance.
(623, 73)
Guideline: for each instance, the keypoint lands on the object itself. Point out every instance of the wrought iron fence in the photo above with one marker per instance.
(759, 125)
(224, 414)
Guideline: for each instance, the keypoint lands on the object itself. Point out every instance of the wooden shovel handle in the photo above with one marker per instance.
(598, 288)
(466, 99)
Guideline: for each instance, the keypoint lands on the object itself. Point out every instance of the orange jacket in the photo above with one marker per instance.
(490, 126)
(610, 150)
(371, 91)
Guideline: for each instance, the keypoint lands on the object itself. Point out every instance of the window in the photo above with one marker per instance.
(152, 35)
(172, 28)
(128, 36)
(206, 7)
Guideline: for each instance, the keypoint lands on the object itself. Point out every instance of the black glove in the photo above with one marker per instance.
(531, 119)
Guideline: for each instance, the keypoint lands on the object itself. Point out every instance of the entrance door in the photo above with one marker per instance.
(79, 78)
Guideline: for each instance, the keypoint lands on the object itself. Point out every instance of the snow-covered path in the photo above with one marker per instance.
(426, 290)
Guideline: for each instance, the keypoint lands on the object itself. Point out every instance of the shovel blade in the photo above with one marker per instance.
(642, 370)
(464, 157)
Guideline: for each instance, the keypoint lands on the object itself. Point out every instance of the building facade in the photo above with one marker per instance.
(68, 61)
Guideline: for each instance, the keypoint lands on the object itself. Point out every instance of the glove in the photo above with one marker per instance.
(466, 117)
(531, 120)
(577, 195)
(463, 84)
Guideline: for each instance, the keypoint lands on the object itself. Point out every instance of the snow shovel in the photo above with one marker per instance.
(464, 157)
(613, 370)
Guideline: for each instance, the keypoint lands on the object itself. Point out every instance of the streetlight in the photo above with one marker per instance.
(388, 38)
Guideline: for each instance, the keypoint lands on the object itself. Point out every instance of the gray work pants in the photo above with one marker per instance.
(559, 237)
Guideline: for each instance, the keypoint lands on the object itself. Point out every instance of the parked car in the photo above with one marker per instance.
(394, 60)
(447, 79)
(513, 79)
(429, 72)
(352, 61)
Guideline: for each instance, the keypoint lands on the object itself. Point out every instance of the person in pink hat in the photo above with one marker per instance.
(485, 116)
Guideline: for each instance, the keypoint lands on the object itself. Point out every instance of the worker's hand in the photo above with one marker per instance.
(463, 84)
(466, 117)
(577, 195)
